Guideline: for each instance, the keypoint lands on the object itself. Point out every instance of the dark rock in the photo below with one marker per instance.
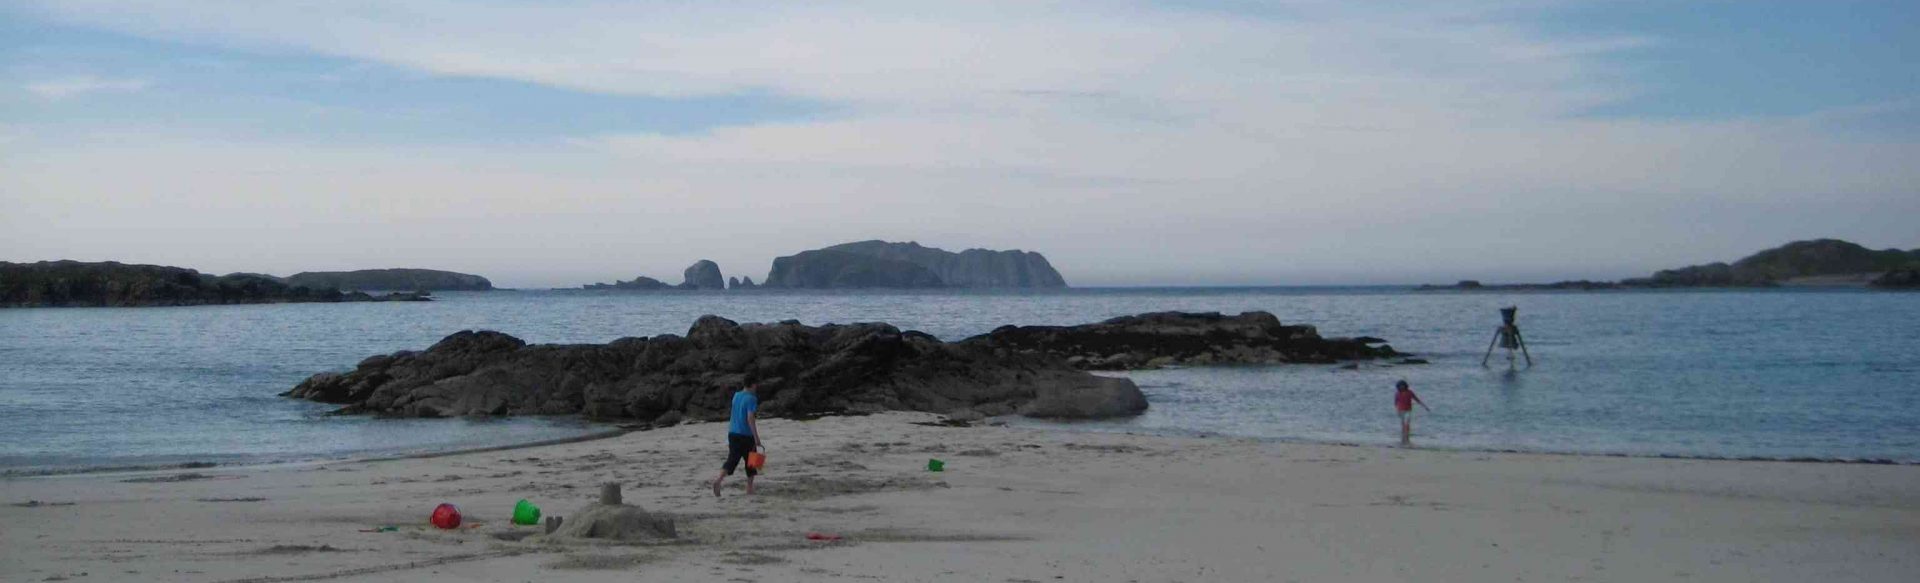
(801, 369)
(703, 274)
(822, 269)
(1177, 338)
(741, 283)
(391, 280)
(969, 268)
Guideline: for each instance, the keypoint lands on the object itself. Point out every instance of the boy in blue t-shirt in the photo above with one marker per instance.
(743, 435)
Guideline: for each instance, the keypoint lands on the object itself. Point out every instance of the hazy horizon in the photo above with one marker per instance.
(522, 280)
(1133, 143)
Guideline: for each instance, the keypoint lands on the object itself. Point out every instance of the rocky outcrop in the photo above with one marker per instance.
(800, 369)
(822, 269)
(113, 284)
(703, 274)
(740, 283)
(1179, 338)
(639, 283)
(969, 268)
(391, 280)
(1898, 279)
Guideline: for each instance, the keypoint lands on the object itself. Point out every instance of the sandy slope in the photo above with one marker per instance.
(1015, 505)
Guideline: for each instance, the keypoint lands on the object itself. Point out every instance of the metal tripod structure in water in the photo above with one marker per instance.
(1508, 336)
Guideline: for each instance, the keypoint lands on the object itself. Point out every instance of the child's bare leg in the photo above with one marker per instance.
(750, 484)
(716, 483)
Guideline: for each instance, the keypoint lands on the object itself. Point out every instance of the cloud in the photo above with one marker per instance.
(66, 87)
(938, 56)
(1133, 142)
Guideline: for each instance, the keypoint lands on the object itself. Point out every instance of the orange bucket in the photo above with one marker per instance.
(756, 460)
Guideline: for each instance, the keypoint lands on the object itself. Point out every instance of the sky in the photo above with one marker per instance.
(1308, 142)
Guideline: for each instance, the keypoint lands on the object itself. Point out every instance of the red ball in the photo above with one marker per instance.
(446, 516)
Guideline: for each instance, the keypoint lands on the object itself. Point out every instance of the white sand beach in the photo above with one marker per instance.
(1014, 505)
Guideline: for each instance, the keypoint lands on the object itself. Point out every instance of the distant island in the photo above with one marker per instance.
(872, 264)
(114, 284)
(391, 280)
(825, 269)
(1817, 262)
(910, 265)
(979, 268)
(702, 275)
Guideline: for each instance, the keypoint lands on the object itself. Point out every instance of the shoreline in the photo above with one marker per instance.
(198, 465)
(1067, 427)
(1014, 503)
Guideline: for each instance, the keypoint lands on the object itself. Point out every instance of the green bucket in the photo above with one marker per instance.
(936, 465)
(525, 512)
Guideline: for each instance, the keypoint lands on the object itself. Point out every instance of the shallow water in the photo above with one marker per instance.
(1769, 373)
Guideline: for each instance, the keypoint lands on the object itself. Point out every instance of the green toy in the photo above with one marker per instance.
(934, 465)
(525, 512)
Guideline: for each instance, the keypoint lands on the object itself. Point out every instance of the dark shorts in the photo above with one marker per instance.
(738, 446)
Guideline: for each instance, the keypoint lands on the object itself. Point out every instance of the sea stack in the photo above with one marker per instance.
(703, 274)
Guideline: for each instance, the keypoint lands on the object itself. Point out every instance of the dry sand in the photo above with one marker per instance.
(1015, 505)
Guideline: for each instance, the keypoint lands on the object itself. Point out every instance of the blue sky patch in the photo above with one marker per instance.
(280, 95)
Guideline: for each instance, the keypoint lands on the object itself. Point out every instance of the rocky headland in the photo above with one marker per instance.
(114, 284)
(398, 279)
(1180, 338)
(1817, 262)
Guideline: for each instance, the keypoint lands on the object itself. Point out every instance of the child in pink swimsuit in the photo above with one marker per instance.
(1403, 400)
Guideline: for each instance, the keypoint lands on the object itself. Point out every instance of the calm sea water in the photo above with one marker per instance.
(1775, 373)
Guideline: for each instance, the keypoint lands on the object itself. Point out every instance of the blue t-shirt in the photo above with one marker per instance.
(744, 404)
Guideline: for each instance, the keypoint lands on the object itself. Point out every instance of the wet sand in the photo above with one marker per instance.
(1015, 505)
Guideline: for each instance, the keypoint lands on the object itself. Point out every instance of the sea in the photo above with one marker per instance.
(1826, 374)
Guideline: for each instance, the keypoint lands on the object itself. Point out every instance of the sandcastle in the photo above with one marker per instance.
(611, 520)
